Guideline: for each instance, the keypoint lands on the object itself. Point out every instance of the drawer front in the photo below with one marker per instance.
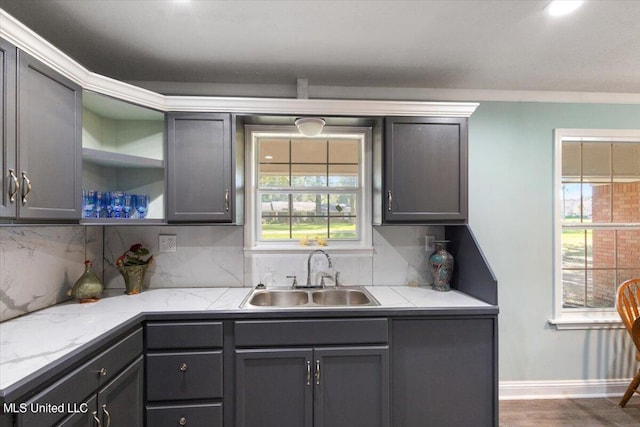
(184, 375)
(184, 335)
(259, 333)
(83, 381)
(209, 415)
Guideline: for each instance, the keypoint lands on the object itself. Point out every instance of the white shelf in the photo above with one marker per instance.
(118, 160)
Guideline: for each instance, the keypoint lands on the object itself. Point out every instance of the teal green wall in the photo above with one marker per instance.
(511, 214)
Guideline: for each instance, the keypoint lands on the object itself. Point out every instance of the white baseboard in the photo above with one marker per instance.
(514, 390)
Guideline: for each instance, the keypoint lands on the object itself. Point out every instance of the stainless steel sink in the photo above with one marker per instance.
(278, 298)
(329, 297)
(341, 297)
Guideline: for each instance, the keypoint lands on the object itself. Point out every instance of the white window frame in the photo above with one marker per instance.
(252, 215)
(579, 318)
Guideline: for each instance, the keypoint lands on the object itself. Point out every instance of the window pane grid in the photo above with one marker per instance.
(320, 180)
(600, 220)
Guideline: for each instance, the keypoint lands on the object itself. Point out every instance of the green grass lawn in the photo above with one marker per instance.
(279, 231)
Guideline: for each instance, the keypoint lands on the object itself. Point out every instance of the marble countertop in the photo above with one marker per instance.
(30, 343)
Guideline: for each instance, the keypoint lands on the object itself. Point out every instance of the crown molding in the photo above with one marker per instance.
(30, 42)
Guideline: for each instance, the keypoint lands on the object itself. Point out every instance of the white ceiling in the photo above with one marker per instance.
(480, 45)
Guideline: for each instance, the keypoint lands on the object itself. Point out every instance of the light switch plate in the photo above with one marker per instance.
(167, 243)
(429, 243)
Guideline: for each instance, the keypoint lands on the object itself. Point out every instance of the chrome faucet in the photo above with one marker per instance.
(329, 263)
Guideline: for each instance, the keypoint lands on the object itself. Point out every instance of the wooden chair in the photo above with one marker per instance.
(628, 306)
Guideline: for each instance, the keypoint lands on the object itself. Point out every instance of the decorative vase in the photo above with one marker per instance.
(133, 277)
(441, 266)
(88, 286)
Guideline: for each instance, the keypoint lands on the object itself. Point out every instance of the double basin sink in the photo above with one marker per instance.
(328, 297)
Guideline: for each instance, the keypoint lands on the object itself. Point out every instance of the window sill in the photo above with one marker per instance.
(575, 321)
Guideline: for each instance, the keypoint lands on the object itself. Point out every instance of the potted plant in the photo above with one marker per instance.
(132, 265)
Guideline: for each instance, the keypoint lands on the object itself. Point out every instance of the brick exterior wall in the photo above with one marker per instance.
(626, 208)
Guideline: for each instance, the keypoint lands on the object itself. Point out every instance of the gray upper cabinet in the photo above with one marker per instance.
(199, 167)
(49, 117)
(425, 170)
(9, 178)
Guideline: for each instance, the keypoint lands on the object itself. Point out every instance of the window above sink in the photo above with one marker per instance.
(308, 191)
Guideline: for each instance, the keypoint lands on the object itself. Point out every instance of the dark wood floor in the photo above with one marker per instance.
(569, 413)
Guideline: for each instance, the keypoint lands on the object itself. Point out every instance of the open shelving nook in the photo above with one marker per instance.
(123, 150)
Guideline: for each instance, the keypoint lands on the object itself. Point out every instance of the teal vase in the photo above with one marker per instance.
(441, 266)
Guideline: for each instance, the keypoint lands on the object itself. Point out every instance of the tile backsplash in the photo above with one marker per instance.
(38, 264)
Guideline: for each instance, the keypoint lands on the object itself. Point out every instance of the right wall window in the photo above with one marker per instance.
(598, 211)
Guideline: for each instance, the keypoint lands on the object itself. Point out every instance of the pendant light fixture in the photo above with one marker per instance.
(310, 126)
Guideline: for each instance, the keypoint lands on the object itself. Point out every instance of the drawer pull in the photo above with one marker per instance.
(308, 372)
(183, 367)
(26, 186)
(104, 409)
(95, 417)
(103, 372)
(317, 372)
(183, 421)
(16, 186)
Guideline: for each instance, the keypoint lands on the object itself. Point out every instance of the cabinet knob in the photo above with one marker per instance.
(183, 421)
(183, 367)
(103, 372)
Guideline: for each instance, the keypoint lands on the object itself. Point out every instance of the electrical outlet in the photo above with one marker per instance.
(429, 243)
(167, 243)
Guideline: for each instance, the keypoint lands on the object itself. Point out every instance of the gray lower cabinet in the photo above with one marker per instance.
(425, 170)
(107, 389)
(444, 372)
(312, 372)
(49, 145)
(320, 387)
(199, 167)
(184, 381)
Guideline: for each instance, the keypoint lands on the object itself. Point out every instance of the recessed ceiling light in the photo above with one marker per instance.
(563, 7)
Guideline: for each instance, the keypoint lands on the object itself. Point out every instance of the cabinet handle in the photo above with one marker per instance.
(308, 372)
(389, 200)
(183, 367)
(26, 185)
(103, 372)
(95, 417)
(16, 186)
(317, 372)
(226, 200)
(104, 409)
(182, 421)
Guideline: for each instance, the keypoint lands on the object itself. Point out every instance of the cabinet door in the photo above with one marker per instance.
(120, 403)
(274, 388)
(85, 415)
(444, 372)
(425, 170)
(49, 142)
(199, 167)
(9, 178)
(351, 387)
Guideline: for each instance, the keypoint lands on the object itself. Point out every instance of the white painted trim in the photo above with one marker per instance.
(564, 389)
(30, 42)
(578, 318)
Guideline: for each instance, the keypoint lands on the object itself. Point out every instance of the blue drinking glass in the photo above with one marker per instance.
(106, 196)
(142, 204)
(126, 205)
(100, 207)
(117, 200)
(88, 203)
